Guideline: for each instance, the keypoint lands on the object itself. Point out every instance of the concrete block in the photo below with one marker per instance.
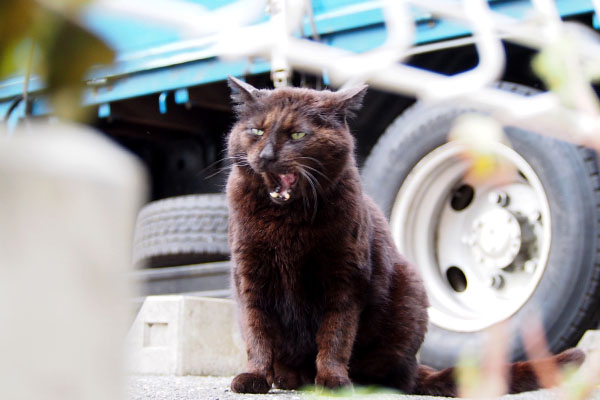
(186, 335)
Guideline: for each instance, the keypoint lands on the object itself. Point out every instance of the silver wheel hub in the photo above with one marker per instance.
(496, 239)
(481, 248)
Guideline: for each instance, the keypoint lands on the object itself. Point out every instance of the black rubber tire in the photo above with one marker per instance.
(182, 230)
(568, 294)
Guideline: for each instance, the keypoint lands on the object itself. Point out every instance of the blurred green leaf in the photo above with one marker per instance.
(479, 136)
(559, 66)
(70, 54)
(318, 392)
(64, 49)
(15, 57)
(468, 375)
(63, 6)
(16, 17)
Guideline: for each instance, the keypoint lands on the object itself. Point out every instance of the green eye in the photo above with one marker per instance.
(257, 132)
(298, 135)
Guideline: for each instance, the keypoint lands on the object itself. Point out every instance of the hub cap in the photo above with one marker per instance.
(481, 249)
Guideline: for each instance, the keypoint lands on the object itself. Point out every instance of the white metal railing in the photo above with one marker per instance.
(277, 40)
(380, 68)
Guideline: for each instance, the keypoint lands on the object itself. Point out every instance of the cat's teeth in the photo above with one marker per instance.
(276, 195)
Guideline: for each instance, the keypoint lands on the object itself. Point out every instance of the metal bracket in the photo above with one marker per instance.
(162, 102)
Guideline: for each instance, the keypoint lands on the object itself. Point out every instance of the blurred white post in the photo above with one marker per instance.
(280, 69)
(68, 200)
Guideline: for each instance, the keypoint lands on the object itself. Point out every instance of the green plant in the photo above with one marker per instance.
(45, 38)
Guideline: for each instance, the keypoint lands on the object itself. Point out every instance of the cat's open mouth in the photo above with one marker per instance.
(283, 190)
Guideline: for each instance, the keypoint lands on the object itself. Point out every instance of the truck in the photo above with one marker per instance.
(489, 252)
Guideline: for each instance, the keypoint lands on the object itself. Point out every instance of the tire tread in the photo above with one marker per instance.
(194, 225)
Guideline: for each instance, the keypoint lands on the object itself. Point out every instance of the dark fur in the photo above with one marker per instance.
(324, 295)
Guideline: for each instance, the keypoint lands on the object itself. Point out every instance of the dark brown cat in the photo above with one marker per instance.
(324, 296)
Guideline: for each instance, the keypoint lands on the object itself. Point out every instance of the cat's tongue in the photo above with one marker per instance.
(282, 192)
(287, 181)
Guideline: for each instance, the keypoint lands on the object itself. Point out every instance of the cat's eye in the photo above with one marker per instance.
(298, 135)
(257, 132)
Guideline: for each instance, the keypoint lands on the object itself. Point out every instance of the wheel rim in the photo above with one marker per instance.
(481, 249)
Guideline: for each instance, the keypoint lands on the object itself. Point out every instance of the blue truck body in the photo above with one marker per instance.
(154, 59)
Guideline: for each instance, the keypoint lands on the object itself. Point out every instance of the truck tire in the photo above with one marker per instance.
(182, 230)
(549, 212)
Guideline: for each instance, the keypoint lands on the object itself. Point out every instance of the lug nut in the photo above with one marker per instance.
(500, 198)
(496, 281)
(468, 240)
(529, 266)
(535, 217)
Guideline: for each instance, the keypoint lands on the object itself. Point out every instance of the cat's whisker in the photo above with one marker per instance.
(315, 181)
(317, 171)
(220, 170)
(312, 159)
(214, 163)
(304, 201)
(216, 173)
(239, 160)
(310, 179)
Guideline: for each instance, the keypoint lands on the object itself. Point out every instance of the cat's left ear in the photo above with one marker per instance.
(350, 100)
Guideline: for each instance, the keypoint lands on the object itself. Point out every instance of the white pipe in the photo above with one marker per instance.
(489, 49)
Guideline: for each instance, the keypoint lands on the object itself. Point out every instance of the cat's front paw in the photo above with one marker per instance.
(333, 381)
(250, 383)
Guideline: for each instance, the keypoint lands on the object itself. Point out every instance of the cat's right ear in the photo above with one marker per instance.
(241, 92)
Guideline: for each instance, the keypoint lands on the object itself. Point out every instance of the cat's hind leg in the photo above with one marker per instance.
(383, 369)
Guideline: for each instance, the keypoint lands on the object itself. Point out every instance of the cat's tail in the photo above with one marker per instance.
(523, 375)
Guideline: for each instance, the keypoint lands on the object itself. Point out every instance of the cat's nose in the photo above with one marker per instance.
(267, 153)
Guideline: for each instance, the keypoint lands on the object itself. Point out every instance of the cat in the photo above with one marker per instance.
(324, 296)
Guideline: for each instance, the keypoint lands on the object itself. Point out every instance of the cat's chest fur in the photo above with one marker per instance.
(289, 258)
(280, 258)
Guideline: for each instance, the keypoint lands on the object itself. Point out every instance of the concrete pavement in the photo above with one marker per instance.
(155, 387)
(184, 335)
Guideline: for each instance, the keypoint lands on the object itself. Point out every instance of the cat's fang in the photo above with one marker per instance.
(274, 195)
(286, 195)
